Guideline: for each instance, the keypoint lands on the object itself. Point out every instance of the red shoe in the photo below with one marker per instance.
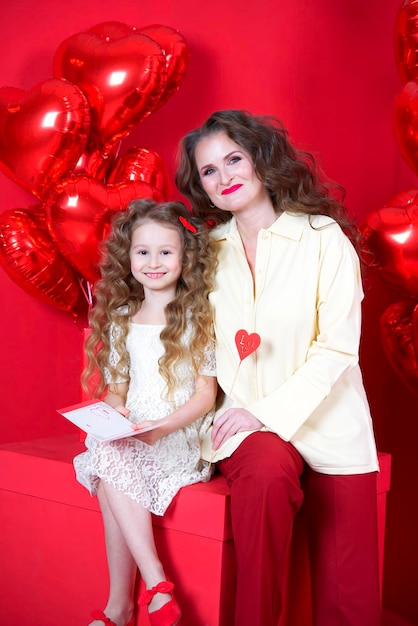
(169, 614)
(101, 616)
(104, 618)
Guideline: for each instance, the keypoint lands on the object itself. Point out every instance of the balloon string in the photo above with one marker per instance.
(235, 379)
(86, 291)
(90, 296)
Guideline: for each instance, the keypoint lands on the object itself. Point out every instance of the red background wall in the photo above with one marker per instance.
(327, 69)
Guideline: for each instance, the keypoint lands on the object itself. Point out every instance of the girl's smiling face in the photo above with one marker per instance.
(227, 174)
(156, 256)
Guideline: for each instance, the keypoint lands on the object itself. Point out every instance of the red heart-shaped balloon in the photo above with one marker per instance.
(31, 259)
(391, 237)
(176, 54)
(43, 132)
(414, 320)
(142, 164)
(246, 343)
(406, 41)
(170, 40)
(96, 164)
(122, 73)
(399, 332)
(79, 213)
(405, 123)
(403, 198)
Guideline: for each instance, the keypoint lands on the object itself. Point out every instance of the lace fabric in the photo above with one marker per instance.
(150, 475)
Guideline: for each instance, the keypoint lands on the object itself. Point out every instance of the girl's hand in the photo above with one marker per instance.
(122, 410)
(231, 422)
(151, 436)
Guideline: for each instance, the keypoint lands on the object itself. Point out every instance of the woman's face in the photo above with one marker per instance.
(227, 174)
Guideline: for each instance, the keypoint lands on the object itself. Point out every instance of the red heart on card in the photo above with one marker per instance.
(246, 343)
(43, 132)
(79, 214)
(122, 73)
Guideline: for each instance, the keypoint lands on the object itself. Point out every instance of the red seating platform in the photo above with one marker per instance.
(53, 565)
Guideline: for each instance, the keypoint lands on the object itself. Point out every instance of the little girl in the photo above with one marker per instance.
(151, 352)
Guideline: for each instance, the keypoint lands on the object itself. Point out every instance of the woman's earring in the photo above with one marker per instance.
(212, 206)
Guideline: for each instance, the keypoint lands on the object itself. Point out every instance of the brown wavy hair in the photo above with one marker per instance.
(291, 176)
(118, 296)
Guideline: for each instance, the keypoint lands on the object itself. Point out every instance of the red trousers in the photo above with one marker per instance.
(266, 475)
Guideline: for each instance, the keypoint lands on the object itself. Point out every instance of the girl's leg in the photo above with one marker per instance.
(129, 545)
(122, 567)
(341, 513)
(264, 478)
(134, 524)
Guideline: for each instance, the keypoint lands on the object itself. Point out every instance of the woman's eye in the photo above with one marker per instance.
(208, 171)
(235, 159)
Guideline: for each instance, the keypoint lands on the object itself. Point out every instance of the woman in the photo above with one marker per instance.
(288, 272)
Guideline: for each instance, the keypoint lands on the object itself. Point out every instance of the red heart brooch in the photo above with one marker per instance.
(246, 343)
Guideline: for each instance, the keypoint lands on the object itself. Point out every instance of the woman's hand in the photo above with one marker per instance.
(231, 422)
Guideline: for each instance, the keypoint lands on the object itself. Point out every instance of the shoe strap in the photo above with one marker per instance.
(165, 586)
(99, 615)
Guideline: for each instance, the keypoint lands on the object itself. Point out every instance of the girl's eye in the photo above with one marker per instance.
(142, 252)
(165, 252)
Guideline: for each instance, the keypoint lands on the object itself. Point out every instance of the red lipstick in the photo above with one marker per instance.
(225, 192)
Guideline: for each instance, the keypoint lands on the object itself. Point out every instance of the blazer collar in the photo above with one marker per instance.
(289, 225)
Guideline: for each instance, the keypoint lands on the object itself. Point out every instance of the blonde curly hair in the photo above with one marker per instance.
(118, 296)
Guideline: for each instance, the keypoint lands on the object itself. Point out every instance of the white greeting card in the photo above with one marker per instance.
(100, 420)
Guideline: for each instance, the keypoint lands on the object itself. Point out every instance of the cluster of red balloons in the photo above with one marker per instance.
(61, 141)
(391, 233)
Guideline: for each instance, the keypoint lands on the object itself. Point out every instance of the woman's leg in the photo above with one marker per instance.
(341, 514)
(264, 478)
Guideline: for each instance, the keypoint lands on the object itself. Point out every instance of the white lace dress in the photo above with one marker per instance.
(151, 475)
